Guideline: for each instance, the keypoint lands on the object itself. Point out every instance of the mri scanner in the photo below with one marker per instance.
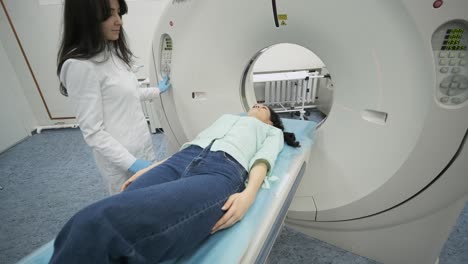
(386, 175)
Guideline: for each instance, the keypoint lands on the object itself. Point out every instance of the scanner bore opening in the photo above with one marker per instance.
(289, 78)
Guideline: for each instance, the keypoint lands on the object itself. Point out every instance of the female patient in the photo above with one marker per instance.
(169, 209)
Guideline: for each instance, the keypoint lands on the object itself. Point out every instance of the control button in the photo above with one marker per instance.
(453, 62)
(463, 62)
(444, 70)
(444, 91)
(442, 62)
(452, 54)
(444, 85)
(457, 78)
(454, 70)
(463, 86)
(454, 85)
(455, 100)
(443, 54)
(444, 99)
(462, 54)
(452, 92)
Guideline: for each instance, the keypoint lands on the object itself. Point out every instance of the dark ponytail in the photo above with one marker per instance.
(289, 137)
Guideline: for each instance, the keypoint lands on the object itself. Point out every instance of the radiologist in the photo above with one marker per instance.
(95, 71)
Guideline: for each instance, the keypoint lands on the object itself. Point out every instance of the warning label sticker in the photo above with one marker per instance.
(282, 19)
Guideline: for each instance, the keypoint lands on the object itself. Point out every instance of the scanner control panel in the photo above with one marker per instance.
(449, 45)
(166, 55)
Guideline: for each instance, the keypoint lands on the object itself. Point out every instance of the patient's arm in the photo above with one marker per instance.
(238, 203)
(138, 174)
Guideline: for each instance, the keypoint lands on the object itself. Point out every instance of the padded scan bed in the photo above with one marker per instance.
(250, 240)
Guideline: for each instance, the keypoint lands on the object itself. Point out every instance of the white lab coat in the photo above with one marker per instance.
(106, 101)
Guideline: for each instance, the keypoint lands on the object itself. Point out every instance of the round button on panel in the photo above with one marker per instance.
(444, 70)
(454, 92)
(443, 62)
(456, 100)
(457, 78)
(454, 70)
(444, 85)
(444, 99)
(443, 54)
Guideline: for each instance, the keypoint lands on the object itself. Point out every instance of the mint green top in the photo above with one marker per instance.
(245, 138)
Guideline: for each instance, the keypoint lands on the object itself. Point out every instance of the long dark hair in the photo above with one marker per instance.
(289, 138)
(82, 36)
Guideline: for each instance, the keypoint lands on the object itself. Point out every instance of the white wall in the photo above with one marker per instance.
(38, 24)
(16, 66)
(13, 106)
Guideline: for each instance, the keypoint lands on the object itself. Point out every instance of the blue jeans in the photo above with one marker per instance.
(164, 214)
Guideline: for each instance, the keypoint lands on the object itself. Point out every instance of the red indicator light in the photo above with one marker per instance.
(171, 23)
(438, 3)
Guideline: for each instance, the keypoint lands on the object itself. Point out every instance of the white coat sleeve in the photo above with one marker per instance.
(85, 93)
(148, 93)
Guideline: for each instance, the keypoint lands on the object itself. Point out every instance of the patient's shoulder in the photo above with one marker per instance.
(229, 117)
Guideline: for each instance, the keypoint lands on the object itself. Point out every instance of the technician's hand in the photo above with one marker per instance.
(236, 206)
(164, 84)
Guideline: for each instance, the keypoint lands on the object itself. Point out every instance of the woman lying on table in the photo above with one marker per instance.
(170, 208)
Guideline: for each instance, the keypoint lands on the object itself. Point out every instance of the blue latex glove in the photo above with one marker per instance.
(164, 84)
(139, 165)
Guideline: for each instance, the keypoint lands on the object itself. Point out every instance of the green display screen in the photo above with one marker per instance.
(452, 39)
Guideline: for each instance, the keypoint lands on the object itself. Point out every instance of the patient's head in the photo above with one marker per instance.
(270, 117)
(262, 113)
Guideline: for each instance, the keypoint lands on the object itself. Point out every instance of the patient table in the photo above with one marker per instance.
(250, 240)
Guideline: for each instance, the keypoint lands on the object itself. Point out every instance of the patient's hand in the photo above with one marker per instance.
(138, 174)
(133, 178)
(236, 206)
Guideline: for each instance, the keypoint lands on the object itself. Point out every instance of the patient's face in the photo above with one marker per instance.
(261, 112)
